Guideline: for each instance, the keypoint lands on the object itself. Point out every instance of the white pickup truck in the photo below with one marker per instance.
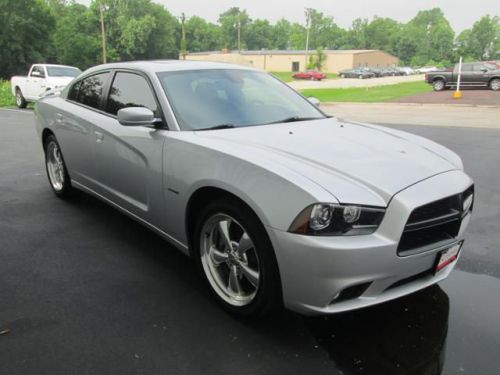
(41, 78)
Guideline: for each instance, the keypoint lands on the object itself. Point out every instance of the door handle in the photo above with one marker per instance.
(98, 136)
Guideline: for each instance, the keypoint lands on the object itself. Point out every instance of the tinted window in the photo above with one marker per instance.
(73, 91)
(38, 69)
(62, 71)
(90, 90)
(130, 90)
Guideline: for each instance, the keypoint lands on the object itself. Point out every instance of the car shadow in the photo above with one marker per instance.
(404, 336)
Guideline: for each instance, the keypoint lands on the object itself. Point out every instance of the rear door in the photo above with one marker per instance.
(129, 158)
(469, 76)
(75, 127)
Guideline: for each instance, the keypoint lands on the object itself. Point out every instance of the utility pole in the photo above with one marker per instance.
(103, 32)
(239, 33)
(183, 37)
(308, 26)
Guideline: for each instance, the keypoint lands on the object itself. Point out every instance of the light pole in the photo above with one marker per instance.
(103, 32)
(308, 26)
(239, 33)
(183, 50)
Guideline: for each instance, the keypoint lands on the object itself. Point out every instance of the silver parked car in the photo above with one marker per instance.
(276, 202)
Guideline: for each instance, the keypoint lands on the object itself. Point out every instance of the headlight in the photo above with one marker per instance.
(326, 219)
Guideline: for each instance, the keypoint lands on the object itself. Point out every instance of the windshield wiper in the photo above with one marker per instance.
(295, 119)
(221, 126)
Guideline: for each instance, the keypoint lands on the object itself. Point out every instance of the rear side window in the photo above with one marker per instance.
(130, 90)
(90, 90)
(73, 91)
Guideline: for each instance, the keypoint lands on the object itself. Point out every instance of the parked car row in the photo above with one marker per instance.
(369, 72)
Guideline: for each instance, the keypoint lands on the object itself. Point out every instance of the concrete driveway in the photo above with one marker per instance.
(86, 290)
(343, 83)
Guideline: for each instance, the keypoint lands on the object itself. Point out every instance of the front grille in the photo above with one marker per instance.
(434, 223)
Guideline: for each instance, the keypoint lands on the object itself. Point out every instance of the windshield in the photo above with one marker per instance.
(60, 71)
(203, 99)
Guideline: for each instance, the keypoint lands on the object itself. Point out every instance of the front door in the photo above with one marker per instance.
(129, 159)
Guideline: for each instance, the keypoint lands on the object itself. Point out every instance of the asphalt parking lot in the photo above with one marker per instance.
(86, 290)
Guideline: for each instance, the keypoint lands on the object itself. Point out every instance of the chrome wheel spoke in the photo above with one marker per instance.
(244, 244)
(234, 282)
(251, 275)
(223, 228)
(218, 257)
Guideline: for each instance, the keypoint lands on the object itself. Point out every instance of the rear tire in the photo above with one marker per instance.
(57, 173)
(438, 85)
(20, 101)
(233, 252)
(495, 84)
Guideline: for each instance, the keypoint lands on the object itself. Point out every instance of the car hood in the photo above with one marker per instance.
(356, 163)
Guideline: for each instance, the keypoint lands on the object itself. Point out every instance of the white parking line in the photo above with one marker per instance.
(16, 110)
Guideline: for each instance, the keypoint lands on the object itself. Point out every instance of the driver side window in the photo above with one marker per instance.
(130, 90)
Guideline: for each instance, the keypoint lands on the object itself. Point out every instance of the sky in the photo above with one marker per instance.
(461, 14)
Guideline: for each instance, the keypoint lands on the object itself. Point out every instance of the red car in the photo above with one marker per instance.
(310, 74)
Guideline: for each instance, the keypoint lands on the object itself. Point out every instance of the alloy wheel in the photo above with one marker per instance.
(230, 260)
(55, 166)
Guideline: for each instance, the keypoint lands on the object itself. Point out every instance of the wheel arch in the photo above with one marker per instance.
(45, 133)
(439, 78)
(492, 78)
(205, 194)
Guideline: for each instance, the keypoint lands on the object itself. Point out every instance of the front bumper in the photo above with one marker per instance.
(316, 270)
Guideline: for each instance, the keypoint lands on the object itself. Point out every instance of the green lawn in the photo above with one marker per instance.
(287, 76)
(6, 97)
(369, 94)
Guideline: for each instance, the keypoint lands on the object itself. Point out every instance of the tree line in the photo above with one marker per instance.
(66, 32)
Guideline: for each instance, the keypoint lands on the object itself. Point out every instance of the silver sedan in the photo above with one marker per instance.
(278, 204)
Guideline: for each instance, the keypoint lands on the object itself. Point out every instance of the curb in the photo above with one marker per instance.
(409, 104)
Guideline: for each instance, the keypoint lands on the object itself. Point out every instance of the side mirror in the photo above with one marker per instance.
(136, 116)
(37, 74)
(314, 101)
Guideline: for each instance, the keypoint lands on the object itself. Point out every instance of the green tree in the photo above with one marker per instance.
(229, 22)
(202, 35)
(431, 36)
(76, 37)
(24, 35)
(281, 34)
(482, 42)
(317, 61)
(383, 34)
(259, 34)
(357, 36)
(324, 32)
(138, 29)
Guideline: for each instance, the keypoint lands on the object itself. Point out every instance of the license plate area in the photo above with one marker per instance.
(447, 257)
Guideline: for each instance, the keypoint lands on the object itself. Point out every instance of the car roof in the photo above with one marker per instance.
(156, 66)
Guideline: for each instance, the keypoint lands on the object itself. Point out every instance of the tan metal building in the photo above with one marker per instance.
(295, 60)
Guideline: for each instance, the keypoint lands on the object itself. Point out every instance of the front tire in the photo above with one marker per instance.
(20, 101)
(495, 84)
(236, 258)
(57, 173)
(438, 85)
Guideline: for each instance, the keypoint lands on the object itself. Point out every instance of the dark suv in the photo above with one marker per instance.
(480, 74)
